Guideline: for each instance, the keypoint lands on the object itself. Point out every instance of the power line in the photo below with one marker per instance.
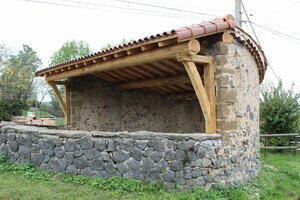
(128, 10)
(163, 7)
(258, 40)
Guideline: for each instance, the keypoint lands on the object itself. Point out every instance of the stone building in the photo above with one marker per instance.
(181, 106)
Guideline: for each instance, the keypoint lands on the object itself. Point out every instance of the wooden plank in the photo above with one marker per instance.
(167, 42)
(165, 68)
(201, 94)
(195, 58)
(209, 85)
(58, 96)
(279, 135)
(284, 147)
(155, 82)
(67, 103)
(190, 47)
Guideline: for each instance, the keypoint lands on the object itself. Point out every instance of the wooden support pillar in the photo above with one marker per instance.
(204, 92)
(63, 102)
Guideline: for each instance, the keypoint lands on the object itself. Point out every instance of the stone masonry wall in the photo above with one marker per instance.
(98, 105)
(186, 159)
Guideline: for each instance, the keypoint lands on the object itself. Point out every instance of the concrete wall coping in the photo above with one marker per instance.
(10, 127)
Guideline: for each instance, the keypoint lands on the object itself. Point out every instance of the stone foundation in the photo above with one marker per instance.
(186, 159)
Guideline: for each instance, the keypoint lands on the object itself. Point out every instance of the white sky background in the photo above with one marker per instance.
(46, 27)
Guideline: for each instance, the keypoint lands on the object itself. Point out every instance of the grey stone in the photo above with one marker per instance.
(141, 145)
(139, 174)
(180, 155)
(78, 153)
(206, 162)
(58, 143)
(200, 181)
(81, 163)
(59, 152)
(44, 166)
(56, 165)
(191, 182)
(147, 164)
(102, 174)
(122, 168)
(176, 166)
(106, 157)
(156, 156)
(158, 145)
(24, 154)
(69, 158)
(209, 178)
(97, 164)
(196, 173)
(234, 159)
(207, 144)
(204, 172)
(220, 171)
(62, 163)
(48, 152)
(110, 168)
(70, 146)
(126, 145)
(169, 155)
(196, 163)
(120, 156)
(87, 172)
(86, 143)
(128, 175)
(111, 146)
(180, 181)
(191, 156)
(136, 154)
(153, 175)
(186, 146)
(37, 158)
(169, 176)
(3, 138)
(11, 137)
(72, 169)
(162, 165)
(133, 164)
(4, 149)
(24, 141)
(179, 174)
(48, 144)
(91, 154)
(13, 157)
(46, 158)
(34, 149)
(100, 144)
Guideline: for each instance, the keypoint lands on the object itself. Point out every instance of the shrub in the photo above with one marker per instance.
(279, 112)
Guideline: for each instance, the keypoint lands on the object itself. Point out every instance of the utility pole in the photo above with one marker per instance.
(238, 13)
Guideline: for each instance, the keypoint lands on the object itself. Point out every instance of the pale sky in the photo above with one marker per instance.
(45, 26)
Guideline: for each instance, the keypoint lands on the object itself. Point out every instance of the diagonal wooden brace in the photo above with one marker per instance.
(205, 93)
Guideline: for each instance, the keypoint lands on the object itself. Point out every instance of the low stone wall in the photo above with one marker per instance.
(187, 159)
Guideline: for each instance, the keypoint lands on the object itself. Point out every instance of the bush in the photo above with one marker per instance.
(279, 112)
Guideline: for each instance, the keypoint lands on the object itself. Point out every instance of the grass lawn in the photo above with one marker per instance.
(279, 179)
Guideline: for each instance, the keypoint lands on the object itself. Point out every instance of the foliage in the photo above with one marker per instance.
(279, 112)
(16, 79)
(68, 51)
(278, 179)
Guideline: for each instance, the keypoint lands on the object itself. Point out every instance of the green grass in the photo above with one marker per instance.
(279, 179)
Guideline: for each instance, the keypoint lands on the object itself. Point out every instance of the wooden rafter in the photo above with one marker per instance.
(155, 82)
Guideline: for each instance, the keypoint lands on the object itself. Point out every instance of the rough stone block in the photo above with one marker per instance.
(224, 125)
(226, 96)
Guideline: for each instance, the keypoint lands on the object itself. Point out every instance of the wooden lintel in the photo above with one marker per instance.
(155, 82)
(201, 94)
(58, 96)
(195, 58)
(190, 47)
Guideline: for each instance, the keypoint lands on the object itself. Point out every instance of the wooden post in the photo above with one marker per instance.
(67, 101)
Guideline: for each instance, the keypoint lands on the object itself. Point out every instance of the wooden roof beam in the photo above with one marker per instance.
(191, 47)
(155, 82)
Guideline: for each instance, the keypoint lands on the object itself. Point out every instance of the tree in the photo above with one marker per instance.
(279, 111)
(17, 77)
(68, 51)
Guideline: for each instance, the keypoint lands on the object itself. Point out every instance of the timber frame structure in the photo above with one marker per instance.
(171, 63)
